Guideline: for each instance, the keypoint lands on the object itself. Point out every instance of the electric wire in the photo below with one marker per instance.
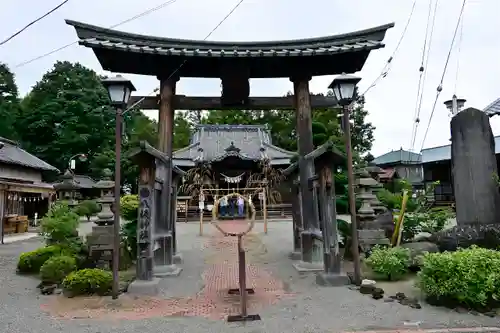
(184, 62)
(421, 74)
(440, 86)
(11, 37)
(142, 14)
(458, 53)
(429, 32)
(385, 70)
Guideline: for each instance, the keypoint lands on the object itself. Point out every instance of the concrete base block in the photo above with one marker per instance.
(167, 271)
(144, 287)
(307, 267)
(332, 280)
(295, 255)
(178, 258)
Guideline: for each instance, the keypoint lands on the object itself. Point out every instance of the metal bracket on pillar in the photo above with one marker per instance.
(312, 182)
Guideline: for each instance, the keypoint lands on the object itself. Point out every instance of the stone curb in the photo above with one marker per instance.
(445, 330)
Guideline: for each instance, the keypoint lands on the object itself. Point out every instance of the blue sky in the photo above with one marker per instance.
(391, 102)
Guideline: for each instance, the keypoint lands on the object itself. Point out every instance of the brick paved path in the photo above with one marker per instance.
(212, 302)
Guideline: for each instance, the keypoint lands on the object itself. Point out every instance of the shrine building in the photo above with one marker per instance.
(234, 153)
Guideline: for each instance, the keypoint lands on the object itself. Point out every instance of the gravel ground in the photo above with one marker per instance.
(312, 309)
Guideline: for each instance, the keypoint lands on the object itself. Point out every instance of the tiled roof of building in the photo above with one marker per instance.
(216, 142)
(11, 153)
(398, 157)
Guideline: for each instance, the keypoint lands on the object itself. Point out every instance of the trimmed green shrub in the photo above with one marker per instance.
(390, 263)
(87, 208)
(88, 281)
(129, 212)
(57, 268)
(31, 262)
(468, 277)
(129, 205)
(60, 225)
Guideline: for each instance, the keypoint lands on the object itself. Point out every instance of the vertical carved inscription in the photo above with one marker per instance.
(144, 224)
(144, 221)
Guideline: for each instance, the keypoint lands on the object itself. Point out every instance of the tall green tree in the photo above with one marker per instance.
(362, 131)
(9, 103)
(138, 127)
(183, 127)
(67, 112)
(194, 116)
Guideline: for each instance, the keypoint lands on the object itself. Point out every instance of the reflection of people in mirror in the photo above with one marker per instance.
(241, 206)
(223, 206)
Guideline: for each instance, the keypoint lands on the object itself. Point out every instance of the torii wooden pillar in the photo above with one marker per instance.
(165, 255)
(306, 171)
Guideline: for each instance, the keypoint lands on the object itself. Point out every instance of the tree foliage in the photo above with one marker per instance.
(66, 113)
(9, 103)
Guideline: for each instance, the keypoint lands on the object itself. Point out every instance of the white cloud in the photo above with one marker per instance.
(391, 103)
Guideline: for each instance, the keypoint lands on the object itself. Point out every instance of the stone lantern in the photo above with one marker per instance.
(67, 188)
(106, 185)
(365, 184)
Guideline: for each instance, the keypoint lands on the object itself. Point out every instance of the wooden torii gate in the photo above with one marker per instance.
(234, 63)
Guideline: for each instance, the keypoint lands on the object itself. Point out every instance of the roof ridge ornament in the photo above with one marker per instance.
(232, 148)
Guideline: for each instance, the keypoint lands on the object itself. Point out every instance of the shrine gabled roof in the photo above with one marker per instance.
(77, 181)
(211, 143)
(110, 45)
(12, 153)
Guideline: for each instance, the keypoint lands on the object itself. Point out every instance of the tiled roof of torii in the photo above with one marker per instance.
(125, 52)
(212, 143)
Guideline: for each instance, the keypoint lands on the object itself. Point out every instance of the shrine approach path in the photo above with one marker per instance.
(197, 300)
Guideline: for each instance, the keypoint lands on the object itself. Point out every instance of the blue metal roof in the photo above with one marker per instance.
(398, 157)
(493, 108)
(443, 153)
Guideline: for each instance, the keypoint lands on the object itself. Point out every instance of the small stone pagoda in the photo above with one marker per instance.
(67, 188)
(370, 232)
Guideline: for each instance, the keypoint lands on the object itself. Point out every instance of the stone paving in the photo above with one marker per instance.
(286, 301)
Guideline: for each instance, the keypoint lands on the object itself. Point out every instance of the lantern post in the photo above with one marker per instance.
(119, 91)
(344, 89)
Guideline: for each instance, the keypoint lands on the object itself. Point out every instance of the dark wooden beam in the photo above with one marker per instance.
(183, 102)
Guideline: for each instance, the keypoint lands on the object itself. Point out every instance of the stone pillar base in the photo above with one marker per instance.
(144, 287)
(167, 271)
(332, 279)
(178, 258)
(295, 255)
(307, 267)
